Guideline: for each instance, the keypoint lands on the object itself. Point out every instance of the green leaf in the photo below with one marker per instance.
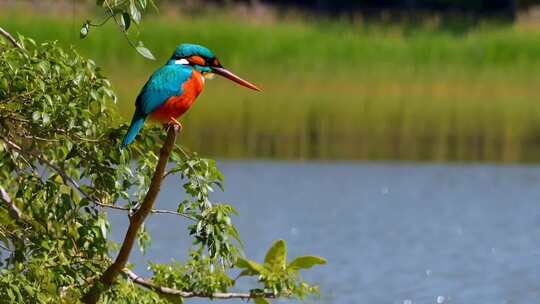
(261, 301)
(172, 299)
(126, 21)
(306, 262)
(246, 273)
(249, 264)
(11, 295)
(145, 52)
(154, 5)
(36, 116)
(134, 12)
(276, 257)
(102, 224)
(142, 4)
(46, 118)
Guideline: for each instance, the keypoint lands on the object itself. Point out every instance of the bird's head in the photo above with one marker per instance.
(204, 61)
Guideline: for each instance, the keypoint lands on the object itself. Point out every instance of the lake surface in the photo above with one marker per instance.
(391, 232)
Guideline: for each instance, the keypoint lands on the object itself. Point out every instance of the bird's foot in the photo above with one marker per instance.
(173, 123)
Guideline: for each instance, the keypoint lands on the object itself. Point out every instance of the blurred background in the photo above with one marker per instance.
(364, 80)
(399, 138)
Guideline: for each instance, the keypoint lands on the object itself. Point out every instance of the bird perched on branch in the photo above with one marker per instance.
(173, 88)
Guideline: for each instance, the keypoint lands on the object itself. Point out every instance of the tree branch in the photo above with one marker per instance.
(14, 212)
(109, 276)
(187, 294)
(10, 38)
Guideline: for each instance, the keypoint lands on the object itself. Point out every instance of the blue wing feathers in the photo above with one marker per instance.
(164, 83)
(134, 129)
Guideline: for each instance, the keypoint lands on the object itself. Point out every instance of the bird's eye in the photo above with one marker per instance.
(215, 62)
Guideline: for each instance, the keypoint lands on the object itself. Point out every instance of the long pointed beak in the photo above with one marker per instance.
(228, 74)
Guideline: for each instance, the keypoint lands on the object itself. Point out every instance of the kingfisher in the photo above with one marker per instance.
(172, 89)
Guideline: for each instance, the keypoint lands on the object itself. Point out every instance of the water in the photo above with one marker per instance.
(391, 232)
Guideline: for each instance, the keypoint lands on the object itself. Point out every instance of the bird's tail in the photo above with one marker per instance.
(136, 124)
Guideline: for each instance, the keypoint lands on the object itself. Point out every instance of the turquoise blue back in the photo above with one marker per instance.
(166, 82)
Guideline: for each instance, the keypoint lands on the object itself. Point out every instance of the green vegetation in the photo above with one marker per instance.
(336, 90)
(58, 175)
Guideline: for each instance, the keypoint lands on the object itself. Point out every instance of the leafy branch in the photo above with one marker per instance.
(59, 174)
(123, 12)
(73, 183)
(185, 294)
(278, 276)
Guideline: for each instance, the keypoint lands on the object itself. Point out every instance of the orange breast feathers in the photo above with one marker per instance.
(177, 105)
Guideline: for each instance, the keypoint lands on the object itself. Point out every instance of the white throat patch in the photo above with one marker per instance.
(181, 61)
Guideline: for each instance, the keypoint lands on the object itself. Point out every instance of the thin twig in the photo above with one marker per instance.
(120, 25)
(6, 248)
(155, 211)
(40, 138)
(187, 294)
(102, 23)
(10, 38)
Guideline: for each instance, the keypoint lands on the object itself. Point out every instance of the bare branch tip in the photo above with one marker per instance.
(10, 38)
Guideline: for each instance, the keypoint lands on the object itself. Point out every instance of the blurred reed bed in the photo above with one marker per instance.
(336, 90)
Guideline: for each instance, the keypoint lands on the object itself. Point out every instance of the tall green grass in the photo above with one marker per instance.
(336, 90)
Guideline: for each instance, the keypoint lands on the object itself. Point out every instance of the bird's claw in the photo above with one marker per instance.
(174, 124)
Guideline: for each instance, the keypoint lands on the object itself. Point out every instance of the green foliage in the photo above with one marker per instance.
(278, 277)
(213, 227)
(60, 166)
(53, 105)
(125, 292)
(214, 230)
(198, 275)
(123, 12)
